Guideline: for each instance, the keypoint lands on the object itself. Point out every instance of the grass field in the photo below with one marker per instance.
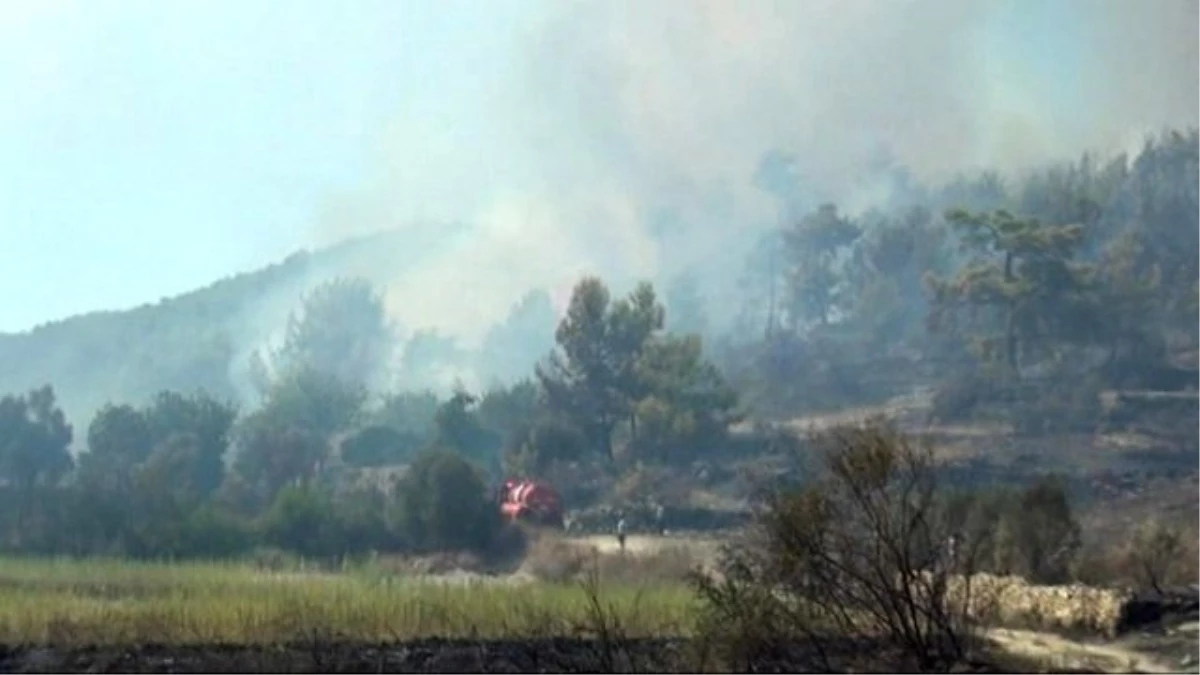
(125, 608)
(66, 602)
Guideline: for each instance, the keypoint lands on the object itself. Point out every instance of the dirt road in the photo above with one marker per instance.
(1060, 652)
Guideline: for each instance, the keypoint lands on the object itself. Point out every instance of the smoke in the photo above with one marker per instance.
(633, 130)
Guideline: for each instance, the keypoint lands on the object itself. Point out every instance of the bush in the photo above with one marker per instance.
(362, 521)
(1157, 557)
(302, 519)
(309, 521)
(213, 533)
(1030, 533)
(858, 557)
(443, 505)
(1044, 532)
(1162, 555)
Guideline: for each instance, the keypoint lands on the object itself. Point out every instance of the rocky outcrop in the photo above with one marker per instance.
(1073, 608)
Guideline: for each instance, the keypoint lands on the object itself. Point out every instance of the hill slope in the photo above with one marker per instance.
(198, 339)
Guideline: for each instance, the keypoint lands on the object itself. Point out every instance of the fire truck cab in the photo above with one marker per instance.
(524, 500)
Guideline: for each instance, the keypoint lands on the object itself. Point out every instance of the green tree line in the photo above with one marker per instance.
(323, 467)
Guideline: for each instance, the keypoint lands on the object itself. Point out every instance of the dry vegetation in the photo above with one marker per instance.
(554, 558)
(875, 551)
(854, 570)
(104, 602)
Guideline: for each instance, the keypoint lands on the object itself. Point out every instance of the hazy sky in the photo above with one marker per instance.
(150, 147)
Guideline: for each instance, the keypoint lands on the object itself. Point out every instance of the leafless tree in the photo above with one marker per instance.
(864, 561)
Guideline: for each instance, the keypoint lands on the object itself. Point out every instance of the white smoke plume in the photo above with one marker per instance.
(634, 128)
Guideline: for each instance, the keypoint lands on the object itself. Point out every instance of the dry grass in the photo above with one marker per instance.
(444, 563)
(614, 598)
(107, 602)
(554, 558)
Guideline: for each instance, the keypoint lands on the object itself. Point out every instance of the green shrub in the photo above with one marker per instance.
(302, 519)
(210, 532)
(443, 504)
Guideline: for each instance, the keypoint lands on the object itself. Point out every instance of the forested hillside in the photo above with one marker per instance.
(1061, 303)
(1093, 269)
(199, 340)
(178, 343)
(1080, 275)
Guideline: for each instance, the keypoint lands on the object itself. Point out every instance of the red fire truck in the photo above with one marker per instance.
(530, 501)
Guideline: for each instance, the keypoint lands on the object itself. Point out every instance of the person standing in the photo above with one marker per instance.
(621, 533)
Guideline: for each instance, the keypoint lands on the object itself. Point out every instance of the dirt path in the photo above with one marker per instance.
(1060, 652)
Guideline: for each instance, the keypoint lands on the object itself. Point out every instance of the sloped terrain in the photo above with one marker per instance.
(200, 339)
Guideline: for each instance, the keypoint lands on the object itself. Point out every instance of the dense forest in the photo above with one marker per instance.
(1029, 301)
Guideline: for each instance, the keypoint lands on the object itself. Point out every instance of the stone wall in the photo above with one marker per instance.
(1012, 601)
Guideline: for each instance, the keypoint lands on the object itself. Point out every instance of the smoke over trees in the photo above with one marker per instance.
(1019, 301)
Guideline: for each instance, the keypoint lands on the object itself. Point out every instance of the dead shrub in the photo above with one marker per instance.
(1031, 533)
(1162, 555)
(1099, 565)
(1155, 557)
(1046, 533)
(861, 556)
(747, 627)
